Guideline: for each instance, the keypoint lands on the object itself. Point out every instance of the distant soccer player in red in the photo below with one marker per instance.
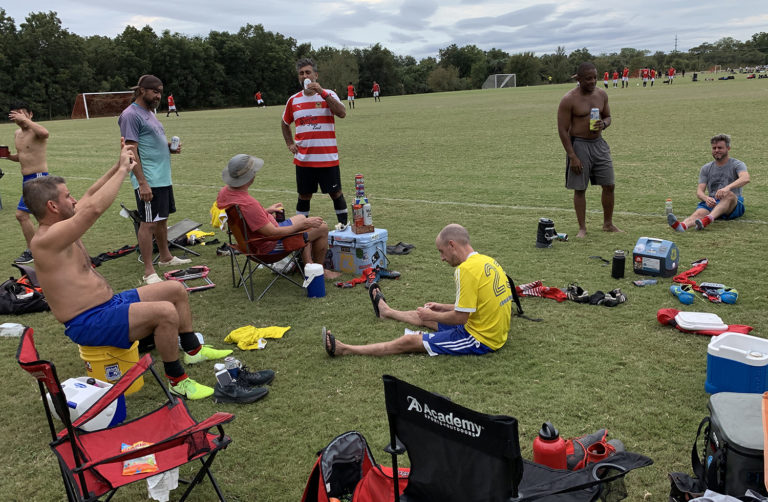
(653, 75)
(625, 77)
(376, 89)
(171, 106)
(351, 95)
(646, 73)
(671, 74)
(605, 79)
(259, 99)
(615, 78)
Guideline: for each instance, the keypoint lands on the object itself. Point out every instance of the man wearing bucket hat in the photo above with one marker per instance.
(238, 176)
(151, 178)
(81, 299)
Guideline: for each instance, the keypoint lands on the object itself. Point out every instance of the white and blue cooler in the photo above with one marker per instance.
(655, 257)
(352, 253)
(314, 280)
(737, 363)
(81, 395)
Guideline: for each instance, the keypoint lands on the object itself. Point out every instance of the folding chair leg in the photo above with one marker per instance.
(281, 273)
(205, 469)
(245, 274)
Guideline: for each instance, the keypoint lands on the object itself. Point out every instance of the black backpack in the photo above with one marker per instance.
(22, 296)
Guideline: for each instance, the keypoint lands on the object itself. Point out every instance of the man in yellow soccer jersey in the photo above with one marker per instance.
(477, 323)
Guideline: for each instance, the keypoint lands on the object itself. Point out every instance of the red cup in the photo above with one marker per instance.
(4, 152)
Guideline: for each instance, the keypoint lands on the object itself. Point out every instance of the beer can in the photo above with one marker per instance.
(594, 116)
(232, 365)
(357, 215)
(175, 141)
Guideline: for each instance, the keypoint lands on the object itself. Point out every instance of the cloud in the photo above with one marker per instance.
(519, 17)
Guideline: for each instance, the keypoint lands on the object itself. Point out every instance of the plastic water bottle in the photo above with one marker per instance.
(367, 215)
(175, 141)
(668, 206)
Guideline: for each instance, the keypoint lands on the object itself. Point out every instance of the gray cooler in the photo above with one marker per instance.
(736, 441)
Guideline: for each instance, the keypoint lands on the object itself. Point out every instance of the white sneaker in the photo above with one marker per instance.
(174, 261)
(151, 279)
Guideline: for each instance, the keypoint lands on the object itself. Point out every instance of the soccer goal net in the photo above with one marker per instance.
(100, 104)
(500, 80)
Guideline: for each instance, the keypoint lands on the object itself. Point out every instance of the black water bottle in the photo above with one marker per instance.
(617, 266)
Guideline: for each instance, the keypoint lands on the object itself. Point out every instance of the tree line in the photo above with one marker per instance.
(46, 66)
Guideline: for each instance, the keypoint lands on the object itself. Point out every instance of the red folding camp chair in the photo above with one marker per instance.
(91, 463)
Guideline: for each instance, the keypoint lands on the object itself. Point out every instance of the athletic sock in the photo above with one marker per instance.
(189, 343)
(174, 371)
(677, 225)
(302, 207)
(703, 222)
(340, 205)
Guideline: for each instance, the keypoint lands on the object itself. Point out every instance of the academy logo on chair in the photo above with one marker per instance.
(448, 420)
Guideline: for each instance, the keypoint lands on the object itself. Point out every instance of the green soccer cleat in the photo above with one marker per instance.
(206, 353)
(190, 389)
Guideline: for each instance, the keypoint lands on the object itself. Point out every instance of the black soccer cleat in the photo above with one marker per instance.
(237, 392)
(255, 378)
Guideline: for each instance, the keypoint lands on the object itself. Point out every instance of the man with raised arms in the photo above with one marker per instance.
(81, 299)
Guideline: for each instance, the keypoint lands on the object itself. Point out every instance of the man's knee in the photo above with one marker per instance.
(410, 343)
(609, 188)
(146, 316)
(147, 227)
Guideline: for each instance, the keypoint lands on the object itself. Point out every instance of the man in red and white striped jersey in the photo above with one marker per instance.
(314, 147)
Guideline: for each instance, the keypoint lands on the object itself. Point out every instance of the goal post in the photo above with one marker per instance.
(500, 80)
(100, 104)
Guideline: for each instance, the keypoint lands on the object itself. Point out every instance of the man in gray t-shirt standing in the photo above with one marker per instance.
(723, 180)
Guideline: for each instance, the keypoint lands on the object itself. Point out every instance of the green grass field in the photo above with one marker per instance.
(491, 161)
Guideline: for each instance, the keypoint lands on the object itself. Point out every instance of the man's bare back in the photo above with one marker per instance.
(31, 143)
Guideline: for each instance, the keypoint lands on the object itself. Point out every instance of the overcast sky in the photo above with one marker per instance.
(420, 28)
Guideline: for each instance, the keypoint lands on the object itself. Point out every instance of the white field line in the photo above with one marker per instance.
(540, 209)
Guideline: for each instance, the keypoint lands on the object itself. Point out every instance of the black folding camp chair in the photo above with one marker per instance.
(175, 231)
(458, 454)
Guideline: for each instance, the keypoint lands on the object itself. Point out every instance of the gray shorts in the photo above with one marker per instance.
(597, 166)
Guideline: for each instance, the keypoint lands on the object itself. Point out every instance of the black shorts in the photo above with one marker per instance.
(159, 208)
(308, 178)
